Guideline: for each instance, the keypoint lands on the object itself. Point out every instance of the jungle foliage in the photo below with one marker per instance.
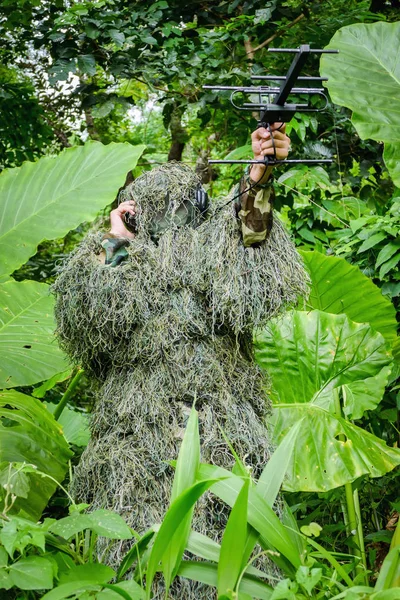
(73, 71)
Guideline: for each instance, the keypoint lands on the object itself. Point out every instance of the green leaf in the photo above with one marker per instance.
(372, 241)
(40, 391)
(117, 37)
(389, 576)
(92, 573)
(5, 580)
(135, 552)
(148, 39)
(365, 77)
(321, 461)
(102, 110)
(29, 433)
(309, 355)
(74, 589)
(103, 522)
(173, 518)
(207, 573)
(3, 557)
(75, 425)
(87, 64)
(56, 194)
(285, 590)
(131, 587)
(387, 252)
(27, 344)
(185, 476)
(338, 287)
(233, 543)
(387, 266)
(32, 573)
(313, 529)
(14, 480)
(242, 152)
(260, 516)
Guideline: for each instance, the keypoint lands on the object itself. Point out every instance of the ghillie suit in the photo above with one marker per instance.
(172, 323)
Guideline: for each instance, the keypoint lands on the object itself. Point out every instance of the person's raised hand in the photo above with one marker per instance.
(262, 146)
(118, 227)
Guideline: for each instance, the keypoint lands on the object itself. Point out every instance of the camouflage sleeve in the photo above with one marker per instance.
(255, 210)
(115, 249)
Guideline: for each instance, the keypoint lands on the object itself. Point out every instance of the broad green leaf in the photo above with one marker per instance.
(233, 543)
(92, 573)
(321, 461)
(173, 518)
(260, 516)
(48, 198)
(103, 522)
(309, 356)
(365, 77)
(28, 347)
(185, 476)
(32, 573)
(205, 572)
(338, 287)
(29, 433)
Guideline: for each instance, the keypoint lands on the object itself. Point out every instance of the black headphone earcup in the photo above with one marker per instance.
(201, 201)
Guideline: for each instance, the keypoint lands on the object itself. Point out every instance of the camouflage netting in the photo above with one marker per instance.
(171, 324)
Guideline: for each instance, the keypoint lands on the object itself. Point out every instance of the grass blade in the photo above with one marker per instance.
(260, 515)
(205, 572)
(233, 543)
(185, 476)
(173, 518)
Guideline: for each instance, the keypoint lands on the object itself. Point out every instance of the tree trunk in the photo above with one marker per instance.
(178, 134)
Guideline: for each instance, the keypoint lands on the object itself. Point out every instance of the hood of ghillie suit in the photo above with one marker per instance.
(165, 199)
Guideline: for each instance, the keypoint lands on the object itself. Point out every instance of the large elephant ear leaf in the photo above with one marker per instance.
(338, 287)
(309, 356)
(322, 461)
(365, 77)
(46, 199)
(28, 347)
(29, 434)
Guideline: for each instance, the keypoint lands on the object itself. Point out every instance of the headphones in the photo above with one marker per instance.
(201, 201)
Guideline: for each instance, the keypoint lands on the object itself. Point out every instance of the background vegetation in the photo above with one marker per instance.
(130, 75)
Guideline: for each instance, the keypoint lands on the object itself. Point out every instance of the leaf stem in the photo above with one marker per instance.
(67, 394)
(353, 516)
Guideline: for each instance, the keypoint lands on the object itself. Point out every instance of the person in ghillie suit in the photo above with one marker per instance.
(164, 317)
